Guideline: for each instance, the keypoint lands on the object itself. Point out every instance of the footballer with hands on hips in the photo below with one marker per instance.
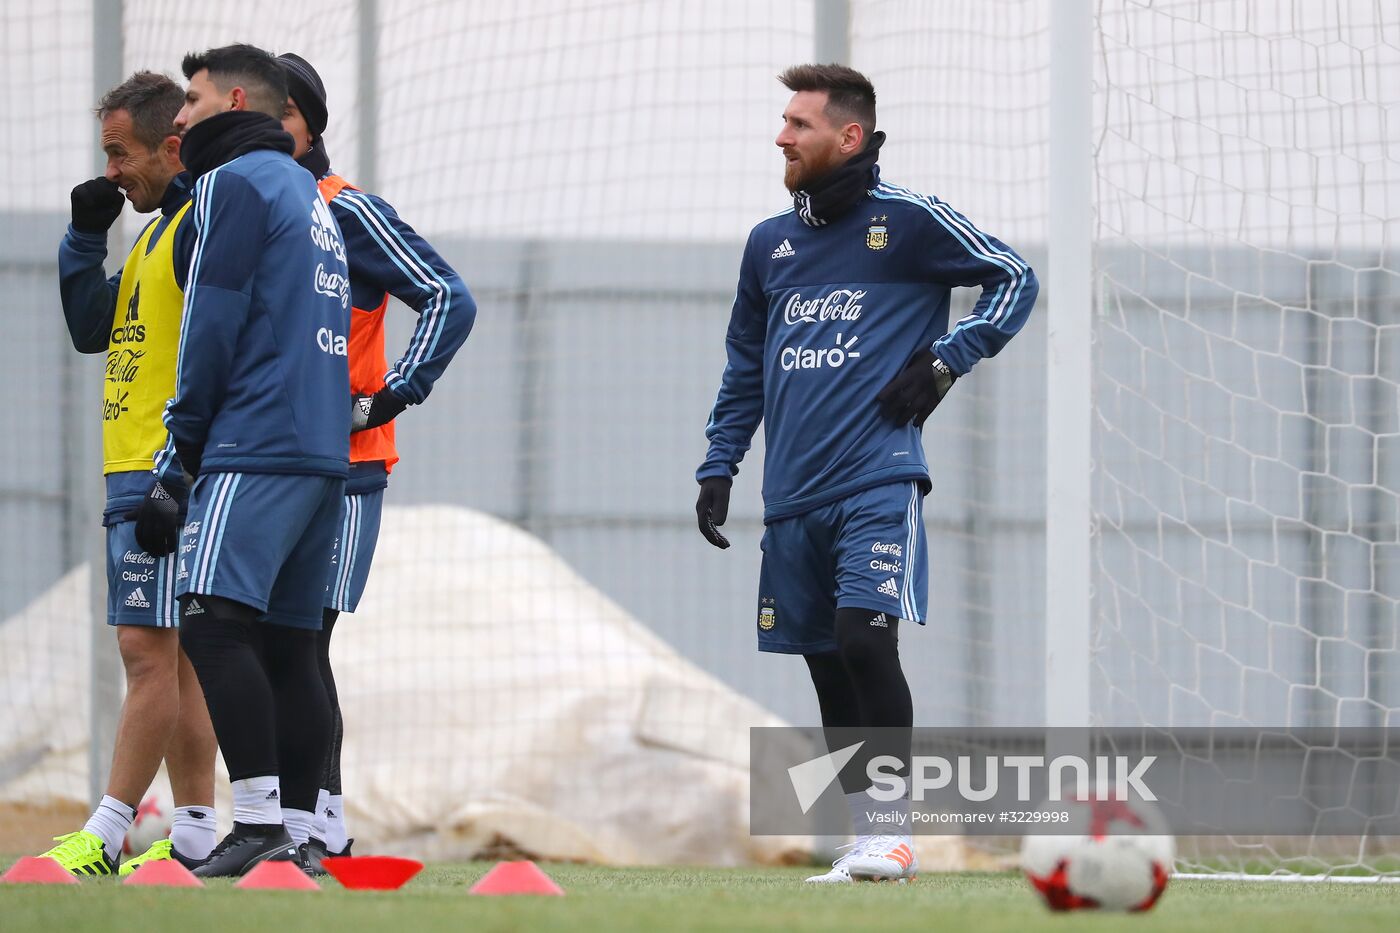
(386, 257)
(839, 342)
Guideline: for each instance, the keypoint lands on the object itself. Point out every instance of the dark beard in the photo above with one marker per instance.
(827, 192)
(797, 175)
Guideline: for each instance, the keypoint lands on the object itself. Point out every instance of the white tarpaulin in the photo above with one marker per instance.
(492, 698)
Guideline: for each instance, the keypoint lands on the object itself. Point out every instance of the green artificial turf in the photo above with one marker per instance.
(662, 899)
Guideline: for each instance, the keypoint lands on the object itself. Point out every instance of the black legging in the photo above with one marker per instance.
(264, 692)
(330, 777)
(861, 685)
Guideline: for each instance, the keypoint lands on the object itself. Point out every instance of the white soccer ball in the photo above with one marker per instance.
(1117, 856)
(153, 821)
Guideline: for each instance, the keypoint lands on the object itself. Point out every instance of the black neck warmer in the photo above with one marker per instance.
(837, 192)
(226, 136)
(316, 160)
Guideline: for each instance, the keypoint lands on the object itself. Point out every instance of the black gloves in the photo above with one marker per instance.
(371, 411)
(190, 460)
(712, 508)
(157, 522)
(96, 205)
(916, 392)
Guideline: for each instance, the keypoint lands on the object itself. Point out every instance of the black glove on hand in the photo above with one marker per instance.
(96, 205)
(190, 460)
(712, 508)
(371, 411)
(916, 392)
(157, 522)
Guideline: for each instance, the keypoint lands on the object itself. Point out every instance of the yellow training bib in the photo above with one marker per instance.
(141, 352)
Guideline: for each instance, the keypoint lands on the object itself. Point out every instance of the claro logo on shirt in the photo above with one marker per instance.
(833, 357)
(330, 342)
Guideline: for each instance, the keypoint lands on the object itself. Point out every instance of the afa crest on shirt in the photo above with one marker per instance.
(767, 618)
(878, 235)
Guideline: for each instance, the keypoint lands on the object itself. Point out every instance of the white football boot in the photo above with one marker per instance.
(884, 858)
(839, 873)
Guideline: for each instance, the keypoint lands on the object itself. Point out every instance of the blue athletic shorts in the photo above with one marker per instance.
(866, 551)
(262, 539)
(354, 550)
(140, 588)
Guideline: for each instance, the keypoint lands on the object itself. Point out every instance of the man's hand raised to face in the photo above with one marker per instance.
(97, 204)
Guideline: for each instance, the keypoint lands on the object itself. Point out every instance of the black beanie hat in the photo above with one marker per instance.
(306, 90)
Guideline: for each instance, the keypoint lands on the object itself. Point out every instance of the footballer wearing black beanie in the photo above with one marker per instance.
(306, 90)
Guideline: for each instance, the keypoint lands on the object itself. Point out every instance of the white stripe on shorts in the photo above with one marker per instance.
(911, 519)
(165, 589)
(349, 550)
(217, 520)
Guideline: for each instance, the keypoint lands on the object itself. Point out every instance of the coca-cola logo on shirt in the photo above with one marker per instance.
(842, 304)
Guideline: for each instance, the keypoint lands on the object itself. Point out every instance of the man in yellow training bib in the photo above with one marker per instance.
(134, 318)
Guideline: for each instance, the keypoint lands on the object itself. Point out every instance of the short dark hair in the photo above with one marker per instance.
(850, 95)
(245, 66)
(152, 100)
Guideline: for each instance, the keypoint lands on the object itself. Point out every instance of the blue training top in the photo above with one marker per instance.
(263, 385)
(825, 316)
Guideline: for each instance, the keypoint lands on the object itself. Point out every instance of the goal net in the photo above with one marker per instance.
(545, 631)
(1246, 377)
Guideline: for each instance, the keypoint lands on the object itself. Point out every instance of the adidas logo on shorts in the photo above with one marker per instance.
(888, 588)
(137, 600)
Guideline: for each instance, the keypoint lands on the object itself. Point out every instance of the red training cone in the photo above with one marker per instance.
(516, 878)
(277, 876)
(372, 872)
(165, 873)
(37, 869)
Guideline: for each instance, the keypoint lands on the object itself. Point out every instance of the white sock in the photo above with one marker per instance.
(299, 823)
(891, 817)
(257, 800)
(871, 817)
(336, 835)
(193, 832)
(861, 809)
(318, 828)
(109, 822)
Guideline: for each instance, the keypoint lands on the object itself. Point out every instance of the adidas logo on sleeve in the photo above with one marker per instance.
(784, 250)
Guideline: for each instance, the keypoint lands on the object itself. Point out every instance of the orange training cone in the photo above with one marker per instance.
(372, 872)
(277, 876)
(166, 873)
(37, 869)
(516, 878)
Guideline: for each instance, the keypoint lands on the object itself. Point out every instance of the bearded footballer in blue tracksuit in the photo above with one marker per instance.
(839, 342)
(260, 418)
